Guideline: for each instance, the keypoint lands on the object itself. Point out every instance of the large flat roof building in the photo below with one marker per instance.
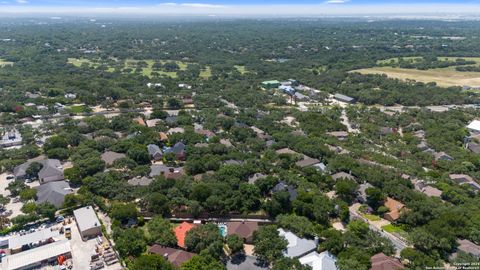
(37, 257)
(30, 240)
(87, 222)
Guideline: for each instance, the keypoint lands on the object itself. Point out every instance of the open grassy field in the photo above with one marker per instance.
(241, 69)
(371, 217)
(416, 58)
(445, 77)
(4, 63)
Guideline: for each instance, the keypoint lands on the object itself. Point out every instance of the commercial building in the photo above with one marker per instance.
(87, 222)
(38, 257)
(19, 243)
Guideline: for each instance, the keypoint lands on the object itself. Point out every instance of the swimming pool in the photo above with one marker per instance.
(223, 229)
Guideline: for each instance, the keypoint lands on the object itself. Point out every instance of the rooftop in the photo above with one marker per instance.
(86, 218)
(26, 258)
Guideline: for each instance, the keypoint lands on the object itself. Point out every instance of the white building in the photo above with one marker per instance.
(474, 127)
(87, 222)
(35, 239)
(37, 258)
(322, 261)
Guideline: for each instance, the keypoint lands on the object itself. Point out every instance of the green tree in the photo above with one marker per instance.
(124, 212)
(33, 170)
(28, 194)
(129, 242)
(268, 243)
(160, 231)
(202, 262)
(205, 237)
(151, 262)
(235, 243)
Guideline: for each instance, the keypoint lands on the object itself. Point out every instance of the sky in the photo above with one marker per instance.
(247, 7)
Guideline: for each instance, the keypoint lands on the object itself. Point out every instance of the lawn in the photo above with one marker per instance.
(394, 229)
(413, 58)
(4, 63)
(371, 217)
(241, 69)
(206, 73)
(77, 109)
(445, 77)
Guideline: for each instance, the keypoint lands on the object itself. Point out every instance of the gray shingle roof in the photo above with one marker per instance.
(53, 192)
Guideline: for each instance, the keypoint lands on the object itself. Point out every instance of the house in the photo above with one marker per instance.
(381, 261)
(87, 222)
(226, 142)
(140, 121)
(474, 127)
(287, 89)
(244, 229)
(38, 257)
(282, 186)
(21, 242)
(296, 247)
(241, 261)
(163, 136)
(340, 135)
(395, 209)
(322, 261)
(344, 98)
(180, 232)
(140, 181)
(307, 161)
(175, 130)
(70, 96)
(152, 122)
(286, 151)
(233, 162)
(178, 149)
(184, 85)
(10, 138)
(422, 146)
(155, 152)
(110, 157)
(175, 256)
(167, 172)
(253, 178)
(53, 192)
(343, 175)
(207, 133)
(432, 191)
(463, 179)
(473, 147)
(271, 84)
(419, 134)
(52, 170)
(362, 194)
(469, 247)
(442, 156)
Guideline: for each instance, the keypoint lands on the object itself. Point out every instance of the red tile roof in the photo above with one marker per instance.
(181, 232)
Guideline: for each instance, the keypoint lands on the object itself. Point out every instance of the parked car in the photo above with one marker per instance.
(10, 177)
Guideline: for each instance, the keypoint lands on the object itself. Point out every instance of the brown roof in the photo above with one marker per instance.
(307, 161)
(243, 229)
(432, 192)
(395, 208)
(163, 136)
(109, 157)
(469, 247)
(140, 121)
(381, 261)
(175, 256)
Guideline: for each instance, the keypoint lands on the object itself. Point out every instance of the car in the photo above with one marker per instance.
(10, 177)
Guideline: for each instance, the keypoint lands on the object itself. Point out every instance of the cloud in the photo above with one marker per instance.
(22, 1)
(336, 1)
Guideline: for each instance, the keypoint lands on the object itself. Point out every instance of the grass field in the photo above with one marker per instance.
(442, 76)
(371, 217)
(4, 63)
(241, 69)
(414, 58)
(395, 230)
(77, 109)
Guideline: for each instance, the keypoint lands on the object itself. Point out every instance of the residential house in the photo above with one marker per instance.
(110, 157)
(184, 85)
(343, 175)
(297, 247)
(340, 135)
(53, 192)
(419, 134)
(175, 256)
(422, 146)
(152, 122)
(253, 178)
(142, 181)
(287, 89)
(10, 138)
(474, 127)
(344, 98)
(175, 130)
(469, 247)
(307, 162)
(320, 167)
(395, 208)
(226, 142)
(167, 172)
(473, 147)
(442, 156)
(463, 179)
(52, 170)
(381, 261)
(155, 152)
(140, 121)
(70, 96)
(207, 133)
(362, 194)
(181, 231)
(163, 136)
(241, 261)
(178, 149)
(244, 229)
(322, 261)
(282, 186)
